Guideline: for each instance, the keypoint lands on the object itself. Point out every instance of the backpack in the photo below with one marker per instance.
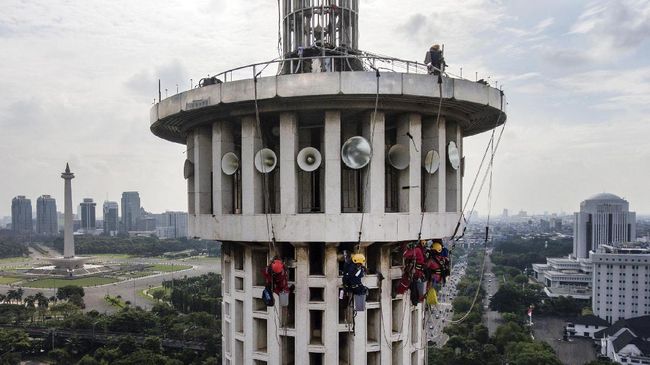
(267, 297)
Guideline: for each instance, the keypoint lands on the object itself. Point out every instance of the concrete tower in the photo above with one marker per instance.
(322, 93)
(68, 237)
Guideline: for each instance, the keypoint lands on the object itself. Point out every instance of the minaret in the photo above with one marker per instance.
(68, 238)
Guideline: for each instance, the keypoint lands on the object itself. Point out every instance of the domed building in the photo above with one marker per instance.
(603, 219)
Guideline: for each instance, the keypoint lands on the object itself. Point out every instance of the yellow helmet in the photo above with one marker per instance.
(436, 246)
(358, 258)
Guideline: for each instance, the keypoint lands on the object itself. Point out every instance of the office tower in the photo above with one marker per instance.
(603, 219)
(87, 210)
(21, 215)
(46, 216)
(130, 211)
(111, 218)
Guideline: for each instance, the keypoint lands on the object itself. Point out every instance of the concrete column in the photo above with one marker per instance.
(222, 184)
(459, 175)
(248, 306)
(453, 175)
(429, 142)
(375, 132)
(203, 170)
(332, 156)
(387, 305)
(288, 153)
(302, 298)
(406, 332)
(252, 193)
(411, 123)
(442, 170)
(191, 200)
(331, 319)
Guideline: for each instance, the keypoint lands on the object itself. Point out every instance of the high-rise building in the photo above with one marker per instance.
(621, 278)
(111, 218)
(309, 157)
(603, 219)
(46, 216)
(130, 211)
(87, 212)
(171, 225)
(21, 214)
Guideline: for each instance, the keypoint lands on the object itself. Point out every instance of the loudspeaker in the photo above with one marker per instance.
(398, 157)
(309, 159)
(431, 162)
(265, 160)
(188, 169)
(356, 152)
(229, 163)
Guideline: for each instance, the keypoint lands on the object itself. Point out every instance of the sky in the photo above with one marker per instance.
(78, 78)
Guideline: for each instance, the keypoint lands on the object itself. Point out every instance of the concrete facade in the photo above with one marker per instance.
(621, 279)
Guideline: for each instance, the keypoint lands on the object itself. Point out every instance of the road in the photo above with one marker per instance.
(128, 289)
(576, 352)
(491, 285)
(441, 314)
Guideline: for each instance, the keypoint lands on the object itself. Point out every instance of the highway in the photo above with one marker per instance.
(491, 285)
(440, 315)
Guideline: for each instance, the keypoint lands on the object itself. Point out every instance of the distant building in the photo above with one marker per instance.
(87, 213)
(603, 219)
(171, 225)
(505, 214)
(46, 217)
(111, 218)
(627, 341)
(620, 282)
(130, 211)
(21, 214)
(586, 326)
(565, 277)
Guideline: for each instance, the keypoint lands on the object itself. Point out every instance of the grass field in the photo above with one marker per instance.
(57, 283)
(12, 260)
(8, 280)
(168, 268)
(109, 256)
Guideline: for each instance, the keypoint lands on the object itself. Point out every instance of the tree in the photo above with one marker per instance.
(507, 333)
(65, 292)
(152, 344)
(531, 353)
(60, 356)
(88, 360)
(12, 340)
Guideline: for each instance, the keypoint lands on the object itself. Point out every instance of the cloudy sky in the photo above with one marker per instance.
(77, 80)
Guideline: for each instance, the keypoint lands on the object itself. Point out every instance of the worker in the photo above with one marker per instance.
(434, 60)
(413, 272)
(277, 280)
(353, 271)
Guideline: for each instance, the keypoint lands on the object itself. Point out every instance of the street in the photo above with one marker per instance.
(441, 314)
(491, 285)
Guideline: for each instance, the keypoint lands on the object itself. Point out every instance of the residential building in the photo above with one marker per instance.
(21, 215)
(603, 219)
(171, 225)
(621, 279)
(586, 326)
(130, 211)
(111, 218)
(46, 217)
(87, 213)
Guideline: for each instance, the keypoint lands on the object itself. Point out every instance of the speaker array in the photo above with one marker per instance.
(265, 160)
(309, 159)
(356, 152)
(229, 163)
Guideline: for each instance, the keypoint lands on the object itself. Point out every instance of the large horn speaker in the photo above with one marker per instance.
(309, 159)
(398, 157)
(431, 162)
(229, 163)
(188, 169)
(265, 160)
(356, 152)
(454, 155)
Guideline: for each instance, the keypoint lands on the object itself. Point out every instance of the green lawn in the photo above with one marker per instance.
(8, 280)
(168, 268)
(57, 283)
(11, 260)
(109, 256)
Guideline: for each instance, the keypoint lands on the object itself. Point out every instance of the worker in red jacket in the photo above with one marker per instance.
(413, 271)
(277, 276)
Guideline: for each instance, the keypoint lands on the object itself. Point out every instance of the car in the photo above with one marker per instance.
(437, 316)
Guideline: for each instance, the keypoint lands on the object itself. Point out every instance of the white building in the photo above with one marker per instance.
(323, 151)
(565, 277)
(621, 282)
(603, 219)
(171, 225)
(586, 326)
(627, 341)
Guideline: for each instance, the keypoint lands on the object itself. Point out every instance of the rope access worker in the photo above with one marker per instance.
(434, 60)
(413, 274)
(353, 271)
(277, 280)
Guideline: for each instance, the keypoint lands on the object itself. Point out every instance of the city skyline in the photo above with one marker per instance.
(577, 100)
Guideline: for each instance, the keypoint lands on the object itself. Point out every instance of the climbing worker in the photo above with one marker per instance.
(353, 271)
(277, 280)
(434, 60)
(413, 271)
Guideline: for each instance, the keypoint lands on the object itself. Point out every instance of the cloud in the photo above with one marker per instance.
(413, 25)
(145, 82)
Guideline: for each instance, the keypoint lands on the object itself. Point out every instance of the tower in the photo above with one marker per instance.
(312, 155)
(68, 237)
(21, 215)
(88, 219)
(110, 210)
(46, 219)
(130, 210)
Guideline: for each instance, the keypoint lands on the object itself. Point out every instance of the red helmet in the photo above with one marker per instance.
(277, 266)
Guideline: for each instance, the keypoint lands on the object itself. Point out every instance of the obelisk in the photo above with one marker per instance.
(68, 238)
